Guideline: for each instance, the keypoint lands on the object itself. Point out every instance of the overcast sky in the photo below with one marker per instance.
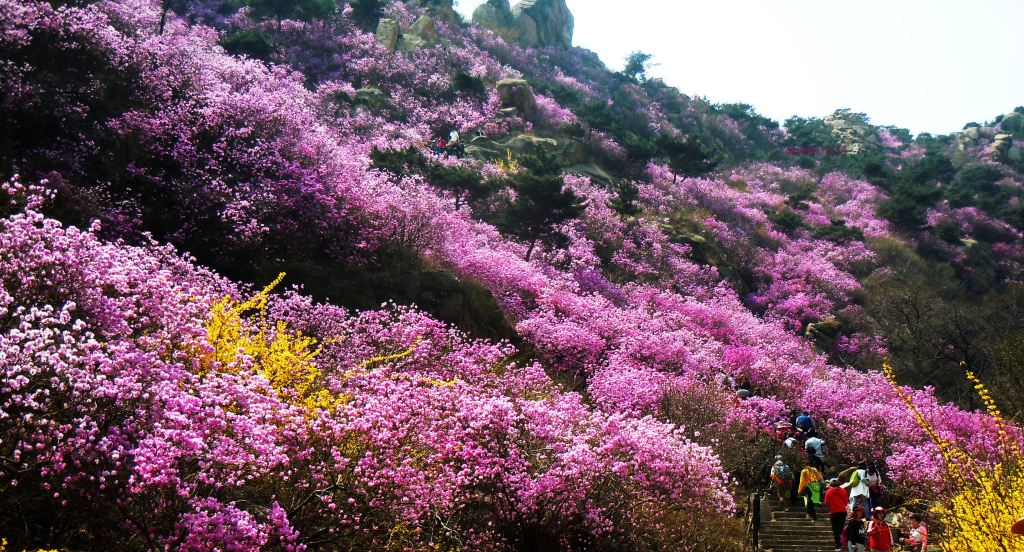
(929, 66)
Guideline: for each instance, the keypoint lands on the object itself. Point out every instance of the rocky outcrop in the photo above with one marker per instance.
(531, 23)
(543, 23)
(387, 33)
(1001, 145)
(421, 34)
(1015, 155)
(517, 94)
(1013, 123)
(824, 333)
(496, 16)
(371, 98)
(855, 135)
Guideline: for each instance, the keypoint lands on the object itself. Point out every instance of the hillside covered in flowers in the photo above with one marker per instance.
(249, 302)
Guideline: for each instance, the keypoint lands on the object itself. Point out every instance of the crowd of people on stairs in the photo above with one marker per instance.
(858, 518)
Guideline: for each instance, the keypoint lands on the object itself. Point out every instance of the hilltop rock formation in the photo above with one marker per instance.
(496, 15)
(531, 23)
(544, 23)
(855, 135)
(1013, 123)
(1000, 148)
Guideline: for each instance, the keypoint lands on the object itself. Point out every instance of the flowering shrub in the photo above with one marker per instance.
(200, 421)
(148, 402)
(981, 501)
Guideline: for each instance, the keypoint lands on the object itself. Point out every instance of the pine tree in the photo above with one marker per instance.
(636, 66)
(398, 162)
(686, 157)
(304, 10)
(367, 13)
(542, 205)
(624, 202)
(463, 183)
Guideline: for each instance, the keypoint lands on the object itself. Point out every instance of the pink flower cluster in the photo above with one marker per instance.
(105, 410)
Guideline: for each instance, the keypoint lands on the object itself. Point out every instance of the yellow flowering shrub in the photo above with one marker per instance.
(509, 165)
(3, 548)
(240, 337)
(983, 501)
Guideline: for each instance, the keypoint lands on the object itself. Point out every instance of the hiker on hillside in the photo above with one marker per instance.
(440, 146)
(857, 486)
(805, 424)
(874, 480)
(855, 533)
(879, 534)
(836, 499)
(815, 449)
(917, 540)
(782, 477)
(810, 489)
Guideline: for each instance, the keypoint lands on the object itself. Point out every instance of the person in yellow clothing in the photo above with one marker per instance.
(810, 488)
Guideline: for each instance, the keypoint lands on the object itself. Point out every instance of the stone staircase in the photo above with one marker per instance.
(790, 531)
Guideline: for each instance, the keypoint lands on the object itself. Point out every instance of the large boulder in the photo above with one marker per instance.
(854, 134)
(516, 93)
(1013, 123)
(421, 34)
(371, 98)
(543, 23)
(1001, 145)
(496, 16)
(824, 333)
(387, 33)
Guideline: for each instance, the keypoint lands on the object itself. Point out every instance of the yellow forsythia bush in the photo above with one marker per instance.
(238, 333)
(983, 502)
(240, 337)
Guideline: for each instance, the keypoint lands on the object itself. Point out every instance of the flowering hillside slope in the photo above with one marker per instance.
(155, 401)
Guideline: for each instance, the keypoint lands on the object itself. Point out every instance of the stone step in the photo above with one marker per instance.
(810, 531)
(797, 548)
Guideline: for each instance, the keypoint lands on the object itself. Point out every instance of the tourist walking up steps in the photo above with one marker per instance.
(858, 486)
(856, 535)
(836, 500)
(782, 477)
(810, 489)
(874, 481)
(879, 534)
(815, 449)
(805, 424)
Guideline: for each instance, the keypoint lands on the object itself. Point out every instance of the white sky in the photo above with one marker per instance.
(930, 66)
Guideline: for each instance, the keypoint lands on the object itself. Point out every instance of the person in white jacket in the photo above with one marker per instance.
(858, 486)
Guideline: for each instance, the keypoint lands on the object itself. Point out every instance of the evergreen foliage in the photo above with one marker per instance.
(541, 206)
(624, 203)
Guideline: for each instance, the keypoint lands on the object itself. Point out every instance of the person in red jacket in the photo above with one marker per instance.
(879, 535)
(836, 499)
